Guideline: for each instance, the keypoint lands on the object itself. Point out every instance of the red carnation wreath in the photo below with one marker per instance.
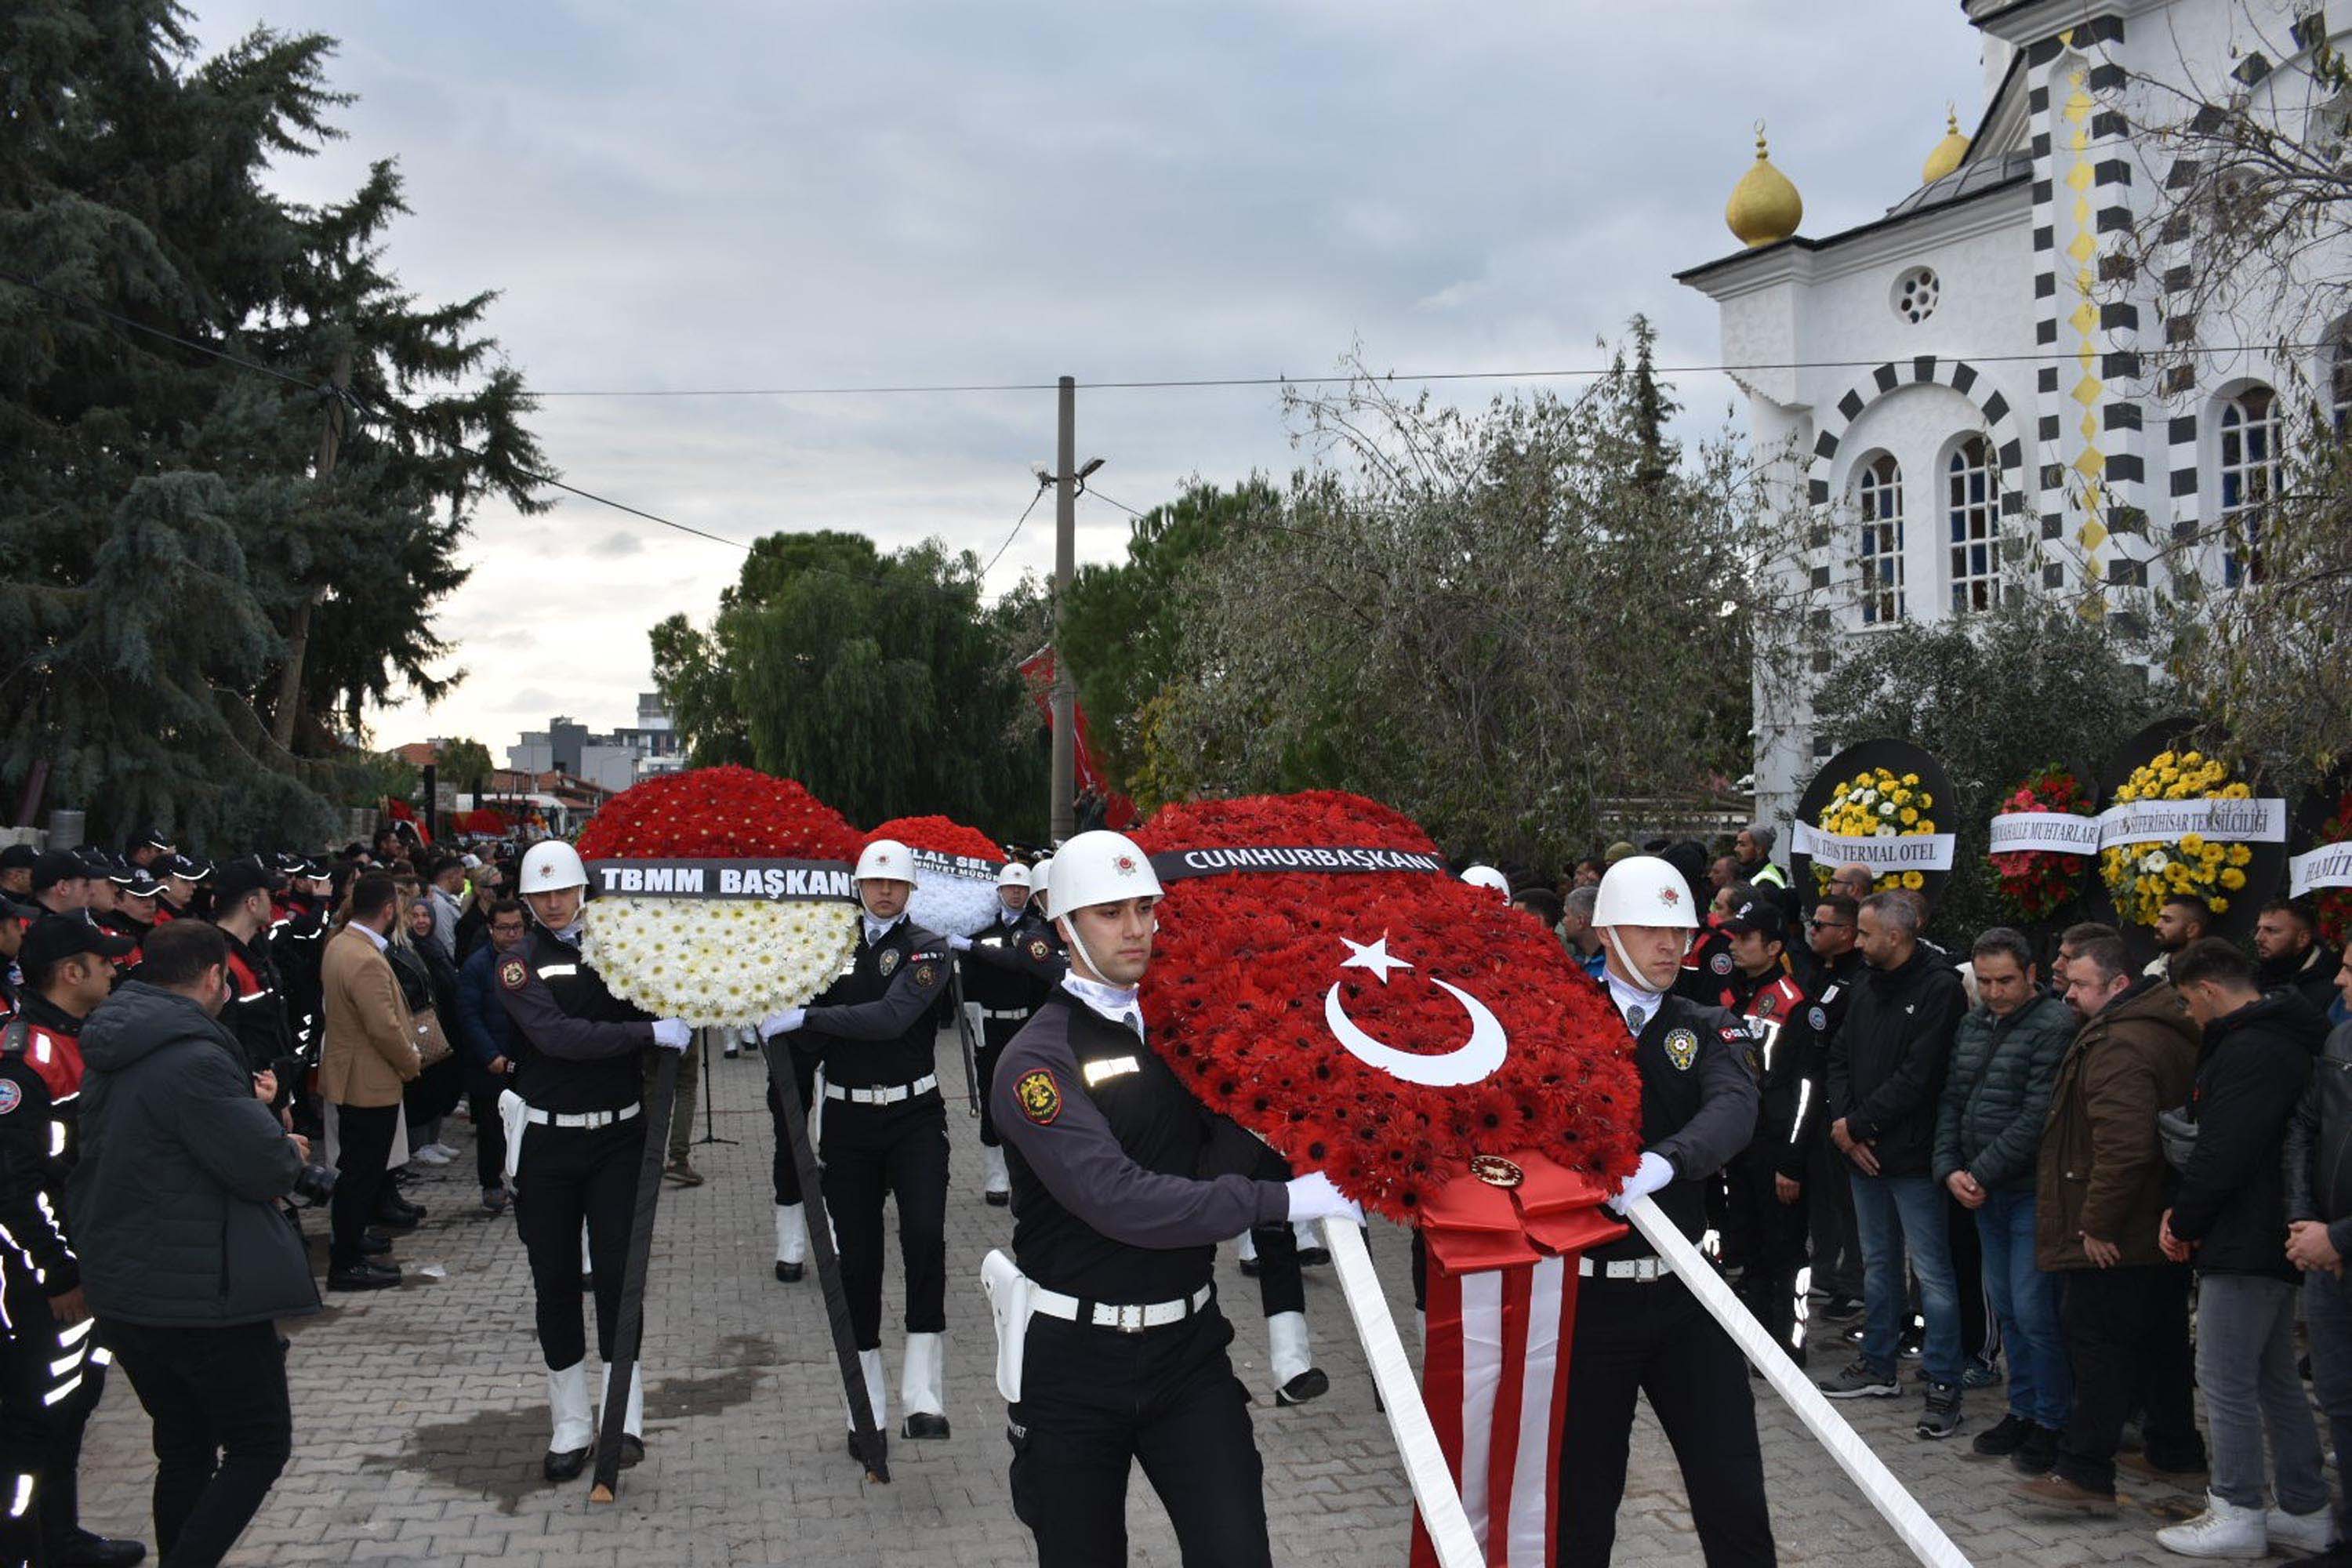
(1260, 976)
(2333, 905)
(955, 873)
(717, 961)
(2037, 883)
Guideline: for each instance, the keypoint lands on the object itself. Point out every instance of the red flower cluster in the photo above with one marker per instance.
(2037, 883)
(2335, 904)
(1237, 991)
(714, 813)
(940, 834)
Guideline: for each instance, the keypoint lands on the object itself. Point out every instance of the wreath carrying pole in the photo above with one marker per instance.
(1925, 1538)
(621, 1371)
(872, 1448)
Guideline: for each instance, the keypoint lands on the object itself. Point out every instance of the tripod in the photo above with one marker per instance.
(708, 1039)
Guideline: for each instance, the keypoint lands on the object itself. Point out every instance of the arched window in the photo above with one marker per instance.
(2249, 476)
(1972, 511)
(1878, 493)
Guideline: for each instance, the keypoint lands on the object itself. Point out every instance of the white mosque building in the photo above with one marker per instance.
(1961, 382)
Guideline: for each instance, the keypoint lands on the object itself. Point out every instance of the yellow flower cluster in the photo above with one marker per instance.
(2140, 877)
(1878, 804)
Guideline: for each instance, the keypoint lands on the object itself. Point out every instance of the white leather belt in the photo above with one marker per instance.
(1647, 1270)
(1126, 1319)
(923, 1084)
(1004, 1012)
(579, 1118)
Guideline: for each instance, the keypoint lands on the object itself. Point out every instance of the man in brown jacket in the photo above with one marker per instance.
(370, 1052)
(2103, 1183)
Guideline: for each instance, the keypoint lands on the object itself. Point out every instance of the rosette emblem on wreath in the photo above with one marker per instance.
(955, 866)
(720, 895)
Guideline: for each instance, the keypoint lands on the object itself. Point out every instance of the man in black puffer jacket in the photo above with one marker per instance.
(2319, 1235)
(2229, 1212)
(2005, 1059)
(184, 1256)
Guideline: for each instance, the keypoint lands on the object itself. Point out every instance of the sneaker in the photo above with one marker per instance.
(495, 1199)
(1839, 1310)
(1941, 1418)
(1857, 1380)
(2313, 1531)
(2037, 1453)
(2004, 1437)
(682, 1173)
(431, 1154)
(448, 1151)
(2224, 1530)
(2057, 1491)
(1979, 1374)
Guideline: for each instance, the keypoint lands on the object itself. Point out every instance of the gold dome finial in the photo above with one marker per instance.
(1949, 152)
(1765, 209)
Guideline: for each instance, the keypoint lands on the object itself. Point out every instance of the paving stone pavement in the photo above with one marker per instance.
(420, 1418)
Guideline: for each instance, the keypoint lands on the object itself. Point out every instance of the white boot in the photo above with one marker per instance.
(633, 1419)
(567, 1401)
(2312, 1532)
(792, 1240)
(922, 1386)
(877, 1390)
(1296, 1379)
(2224, 1530)
(1308, 1235)
(1246, 1248)
(998, 1185)
(587, 1264)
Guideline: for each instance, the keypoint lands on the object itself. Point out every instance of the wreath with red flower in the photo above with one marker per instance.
(719, 961)
(2037, 883)
(1249, 964)
(955, 885)
(2333, 906)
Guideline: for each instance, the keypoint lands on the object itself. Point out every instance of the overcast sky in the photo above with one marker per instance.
(741, 194)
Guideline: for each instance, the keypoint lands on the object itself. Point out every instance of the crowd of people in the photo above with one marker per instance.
(2107, 1183)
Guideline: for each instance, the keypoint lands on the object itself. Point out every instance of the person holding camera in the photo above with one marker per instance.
(186, 1262)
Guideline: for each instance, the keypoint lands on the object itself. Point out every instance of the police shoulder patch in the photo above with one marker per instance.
(925, 972)
(1040, 1095)
(11, 1096)
(1720, 963)
(1740, 1036)
(514, 974)
(1818, 1017)
(1038, 950)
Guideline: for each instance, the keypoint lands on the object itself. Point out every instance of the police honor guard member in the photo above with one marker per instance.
(1768, 1218)
(1110, 1343)
(1008, 970)
(52, 1371)
(886, 1129)
(576, 1141)
(1638, 1329)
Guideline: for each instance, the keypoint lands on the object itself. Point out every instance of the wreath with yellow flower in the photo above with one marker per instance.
(1878, 803)
(2140, 877)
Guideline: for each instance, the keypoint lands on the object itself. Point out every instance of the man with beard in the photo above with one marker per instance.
(2291, 956)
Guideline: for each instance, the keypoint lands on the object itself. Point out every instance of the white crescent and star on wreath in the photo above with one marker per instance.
(1474, 1061)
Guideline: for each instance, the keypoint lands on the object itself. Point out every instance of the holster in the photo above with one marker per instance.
(511, 1117)
(1010, 1294)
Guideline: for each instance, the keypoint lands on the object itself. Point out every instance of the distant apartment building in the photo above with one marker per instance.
(610, 761)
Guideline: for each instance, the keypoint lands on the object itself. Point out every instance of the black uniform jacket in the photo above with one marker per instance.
(1012, 965)
(1108, 1152)
(578, 1046)
(40, 1106)
(1789, 1057)
(1698, 1108)
(874, 1022)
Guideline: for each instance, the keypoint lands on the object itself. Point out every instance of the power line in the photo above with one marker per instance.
(1582, 371)
(1034, 498)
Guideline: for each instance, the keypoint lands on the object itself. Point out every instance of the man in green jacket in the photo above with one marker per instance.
(1988, 1133)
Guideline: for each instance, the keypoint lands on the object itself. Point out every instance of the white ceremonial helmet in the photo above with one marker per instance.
(1643, 890)
(1101, 868)
(1013, 874)
(888, 860)
(1041, 877)
(1488, 877)
(549, 866)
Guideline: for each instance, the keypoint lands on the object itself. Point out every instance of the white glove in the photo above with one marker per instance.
(961, 944)
(673, 1033)
(1312, 1196)
(782, 1023)
(1654, 1173)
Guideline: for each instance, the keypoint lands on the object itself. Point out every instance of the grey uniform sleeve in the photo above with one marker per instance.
(1726, 1122)
(913, 992)
(552, 1030)
(1019, 957)
(1073, 1152)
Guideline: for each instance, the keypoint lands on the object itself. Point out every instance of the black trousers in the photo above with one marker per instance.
(224, 1428)
(1656, 1338)
(1281, 1287)
(1096, 1401)
(872, 1151)
(569, 1174)
(482, 1093)
(803, 1064)
(49, 1386)
(364, 1144)
(1771, 1242)
(2127, 1343)
(1979, 1324)
(1829, 1214)
(995, 1034)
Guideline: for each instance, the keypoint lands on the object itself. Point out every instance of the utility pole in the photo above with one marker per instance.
(298, 631)
(1063, 815)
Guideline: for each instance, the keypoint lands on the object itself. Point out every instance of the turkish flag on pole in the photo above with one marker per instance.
(1038, 670)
